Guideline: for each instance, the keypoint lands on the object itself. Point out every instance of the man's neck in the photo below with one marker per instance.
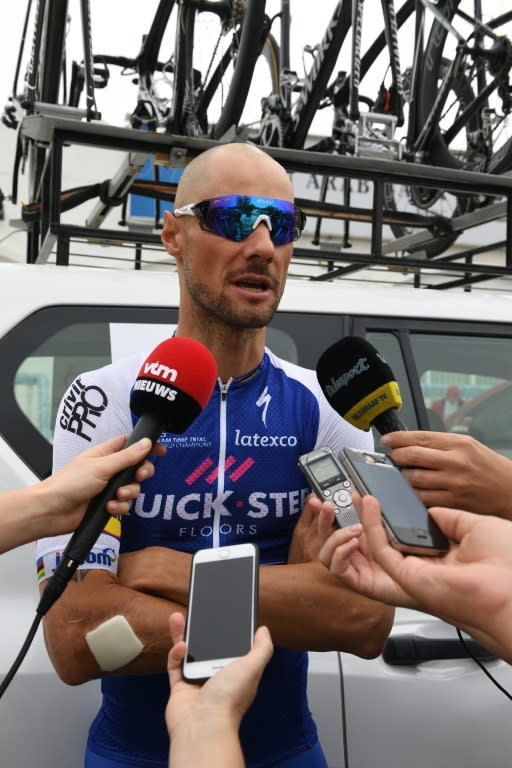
(237, 351)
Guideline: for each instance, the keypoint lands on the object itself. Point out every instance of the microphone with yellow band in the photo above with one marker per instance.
(360, 385)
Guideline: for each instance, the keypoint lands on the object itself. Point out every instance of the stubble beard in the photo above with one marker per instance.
(216, 307)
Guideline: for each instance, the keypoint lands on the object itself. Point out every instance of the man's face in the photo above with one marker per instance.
(237, 283)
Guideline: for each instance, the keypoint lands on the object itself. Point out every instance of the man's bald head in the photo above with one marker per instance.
(236, 168)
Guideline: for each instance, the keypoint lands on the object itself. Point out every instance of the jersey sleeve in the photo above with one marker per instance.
(94, 408)
(333, 430)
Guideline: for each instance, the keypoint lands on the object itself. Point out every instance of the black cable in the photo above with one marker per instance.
(21, 655)
(482, 666)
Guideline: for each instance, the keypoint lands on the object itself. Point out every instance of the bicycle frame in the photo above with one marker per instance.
(345, 97)
(42, 92)
(314, 84)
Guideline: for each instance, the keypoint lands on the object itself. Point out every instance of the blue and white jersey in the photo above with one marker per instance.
(232, 477)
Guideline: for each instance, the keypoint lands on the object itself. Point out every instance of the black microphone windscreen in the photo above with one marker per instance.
(358, 382)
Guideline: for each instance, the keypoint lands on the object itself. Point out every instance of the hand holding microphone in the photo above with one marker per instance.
(361, 387)
(57, 504)
(445, 469)
(173, 386)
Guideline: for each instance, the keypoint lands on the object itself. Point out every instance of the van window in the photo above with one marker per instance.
(453, 376)
(467, 383)
(301, 337)
(49, 369)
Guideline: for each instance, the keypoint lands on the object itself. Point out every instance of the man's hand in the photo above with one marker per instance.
(470, 586)
(203, 720)
(346, 555)
(452, 470)
(313, 528)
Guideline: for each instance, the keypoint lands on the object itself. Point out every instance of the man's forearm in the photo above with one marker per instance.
(159, 571)
(90, 602)
(209, 743)
(304, 606)
(307, 608)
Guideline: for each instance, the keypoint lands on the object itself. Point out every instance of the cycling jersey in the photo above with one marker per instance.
(232, 477)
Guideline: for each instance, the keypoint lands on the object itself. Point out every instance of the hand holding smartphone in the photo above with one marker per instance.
(328, 480)
(408, 524)
(222, 608)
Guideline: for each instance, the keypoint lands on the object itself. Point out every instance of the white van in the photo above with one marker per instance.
(424, 702)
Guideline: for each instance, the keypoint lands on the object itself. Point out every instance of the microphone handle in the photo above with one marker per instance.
(389, 421)
(95, 518)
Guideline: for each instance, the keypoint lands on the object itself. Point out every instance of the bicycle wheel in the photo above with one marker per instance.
(474, 129)
(422, 201)
(265, 76)
(219, 49)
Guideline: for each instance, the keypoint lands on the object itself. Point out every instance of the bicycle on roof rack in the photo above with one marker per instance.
(450, 108)
(193, 71)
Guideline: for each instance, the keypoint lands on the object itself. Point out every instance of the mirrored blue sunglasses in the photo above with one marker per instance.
(236, 216)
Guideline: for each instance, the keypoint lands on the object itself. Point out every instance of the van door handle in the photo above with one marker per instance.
(408, 650)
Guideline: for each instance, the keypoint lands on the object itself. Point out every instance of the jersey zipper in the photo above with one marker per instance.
(222, 461)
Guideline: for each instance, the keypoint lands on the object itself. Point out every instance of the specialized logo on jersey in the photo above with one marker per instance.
(82, 407)
(258, 440)
(263, 402)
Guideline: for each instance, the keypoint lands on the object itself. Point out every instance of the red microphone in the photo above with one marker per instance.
(174, 384)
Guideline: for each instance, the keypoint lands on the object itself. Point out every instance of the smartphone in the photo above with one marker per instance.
(409, 527)
(329, 481)
(222, 608)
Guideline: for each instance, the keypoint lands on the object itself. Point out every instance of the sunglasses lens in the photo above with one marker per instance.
(235, 216)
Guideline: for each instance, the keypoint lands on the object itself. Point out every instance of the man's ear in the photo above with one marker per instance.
(171, 235)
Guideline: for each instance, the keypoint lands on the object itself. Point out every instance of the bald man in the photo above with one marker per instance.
(232, 478)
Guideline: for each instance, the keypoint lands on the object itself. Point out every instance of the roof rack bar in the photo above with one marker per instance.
(55, 133)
